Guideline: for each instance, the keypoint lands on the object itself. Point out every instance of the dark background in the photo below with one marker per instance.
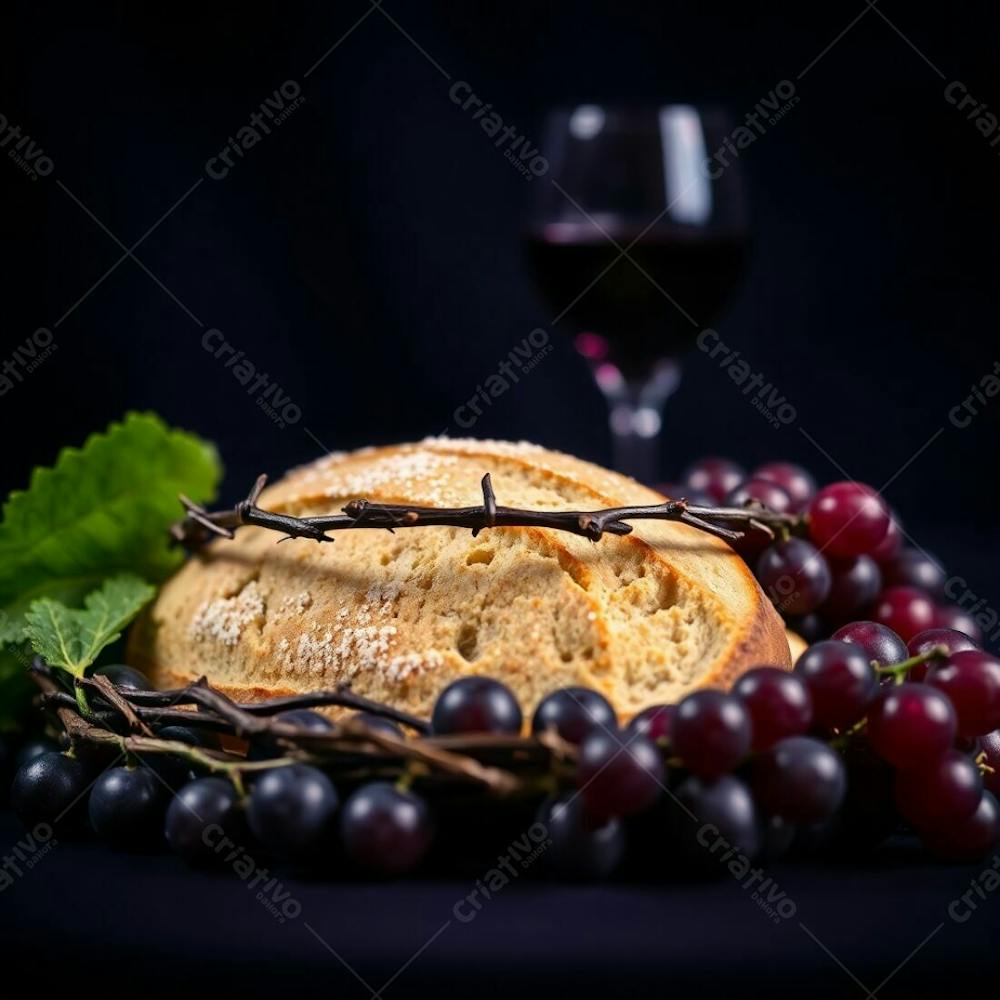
(366, 253)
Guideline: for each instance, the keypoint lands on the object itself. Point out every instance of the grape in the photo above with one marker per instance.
(573, 712)
(879, 642)
(712, 732)
(848, 519)
(891, 543)
(971, 680)
(968, 839)
(911, 725)
(793, 479)
(778, 702)
(841, 681)
(51, 789)
(906, 610)
(811, 627)
(315, 722)
(175, 772)
(656, 722)
(952, 640)
(946, 790)
(952, 616)
(618, 773)
(126, 677)
(385, 829)
(713, 818)
(714, 476)
(202, 816)
(127, 807)
(989, 748)
(34, 748)
(857, 581)
(378, 723)
(761, 491)
(476, 705)
(291, 812)
(913, 568)
(799, 779)
(794, 575)
(581, 848)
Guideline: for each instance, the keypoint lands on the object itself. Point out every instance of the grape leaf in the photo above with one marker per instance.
(101, 509)
(71, 638)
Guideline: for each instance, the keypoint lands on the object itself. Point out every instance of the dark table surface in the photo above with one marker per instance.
(146, 926)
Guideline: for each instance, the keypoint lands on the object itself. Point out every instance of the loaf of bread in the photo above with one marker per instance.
(644, 618)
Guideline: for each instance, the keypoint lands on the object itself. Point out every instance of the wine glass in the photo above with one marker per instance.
(637, 236)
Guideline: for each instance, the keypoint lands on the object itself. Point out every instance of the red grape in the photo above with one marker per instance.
(914, 568)
(799, 779)
(891, 542)
(841, 681)
(793, 479)
(794, 575)
(848, 519)
(946, 790)
(910, 725)
(879, 642)
(618, 773)
(952, 616)
(905, 610)
(656, 722)
(712, 732)
(763, 491)
(714, 476)
(778, 702)
(970, 838)
(856, 583)
(923, 642)
(971, 680)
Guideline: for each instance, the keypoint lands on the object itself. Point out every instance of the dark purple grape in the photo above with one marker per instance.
(799, 779)
(51, 789)
(127, 807)
(175, 772)
(842, 683)
(911, 725)
(857, 581)
(968, 839)
(793, 479)
(291, 812)
(848, 519)
(34, 748)
(878, 642)
(378, 723)
(476, 705)
(656, 722)
(811, 627)
(618, 773)
(951, 616)
(952, 640)
(944, 791)
(794, 575)
(385, 829)
(678, 491)
(713, 821)
(205, 822)
(581, 847)
(914, 568)
(714, 476)
(759, 491)
(306, 718)
(891, 543)
(971, 680)
(906, 610)
(126, 677)
(778, 702)
(573, 712)
(712, 732)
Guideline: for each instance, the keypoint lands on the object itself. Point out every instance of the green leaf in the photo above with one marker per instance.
(101, 509)
(71, 638)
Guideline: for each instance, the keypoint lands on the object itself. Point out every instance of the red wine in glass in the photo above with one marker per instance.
(637, 239)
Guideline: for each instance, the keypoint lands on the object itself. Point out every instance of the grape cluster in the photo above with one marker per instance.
(844, 561)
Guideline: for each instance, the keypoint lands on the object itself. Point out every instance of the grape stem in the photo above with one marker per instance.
(199, 526)
(900, 670)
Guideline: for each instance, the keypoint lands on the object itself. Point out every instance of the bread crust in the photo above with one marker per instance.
(643, 618)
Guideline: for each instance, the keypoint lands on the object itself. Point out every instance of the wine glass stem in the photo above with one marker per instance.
(636, 416)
